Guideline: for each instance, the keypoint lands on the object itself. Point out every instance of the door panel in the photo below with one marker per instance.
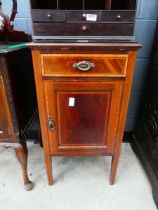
(4, 125)
(84, 115)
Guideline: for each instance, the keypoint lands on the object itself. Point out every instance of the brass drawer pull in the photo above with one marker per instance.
(51, 123)
(84, 65)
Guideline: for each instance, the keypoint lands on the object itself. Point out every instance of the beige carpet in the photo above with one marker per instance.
(81, 183)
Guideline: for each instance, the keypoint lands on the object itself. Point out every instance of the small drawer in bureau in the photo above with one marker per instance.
(81, 16)
(92, 65)
(118, 16)
(83, 29)
(47, 15)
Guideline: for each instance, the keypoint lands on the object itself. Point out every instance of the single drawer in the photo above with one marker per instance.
(83, 16)
(118, 16)
(92, 65)
(83, 29)
(39, 15)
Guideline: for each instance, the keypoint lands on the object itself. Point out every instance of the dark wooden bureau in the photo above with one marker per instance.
(83, 19)
(18, 106)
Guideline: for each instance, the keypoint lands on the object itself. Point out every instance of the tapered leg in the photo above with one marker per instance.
(22, 154)
(114, 164)
(48, 163)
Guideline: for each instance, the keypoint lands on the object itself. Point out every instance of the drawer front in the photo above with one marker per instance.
(81, 16)
(48, 16)
(68, 65)
(78, 29)
(118, 16)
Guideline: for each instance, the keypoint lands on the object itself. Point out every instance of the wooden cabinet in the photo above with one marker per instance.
(83, 92)
(18, 106)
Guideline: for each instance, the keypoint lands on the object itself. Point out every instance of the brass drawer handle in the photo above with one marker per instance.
(51, 123)
(84, 65)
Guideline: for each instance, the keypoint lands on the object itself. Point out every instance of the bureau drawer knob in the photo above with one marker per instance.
(84, 28)
(84, 65)
(49, 16)
(119, 17)
(84, 16)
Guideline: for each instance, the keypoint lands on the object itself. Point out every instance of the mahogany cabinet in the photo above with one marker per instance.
(17, 102)
(83, 92)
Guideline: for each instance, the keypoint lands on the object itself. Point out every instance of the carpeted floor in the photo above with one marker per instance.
(80, 183)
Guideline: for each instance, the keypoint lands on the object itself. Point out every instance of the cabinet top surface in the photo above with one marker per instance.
(87, 46)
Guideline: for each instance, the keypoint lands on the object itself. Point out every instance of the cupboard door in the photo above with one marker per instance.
(4, 123)
(82, 116)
